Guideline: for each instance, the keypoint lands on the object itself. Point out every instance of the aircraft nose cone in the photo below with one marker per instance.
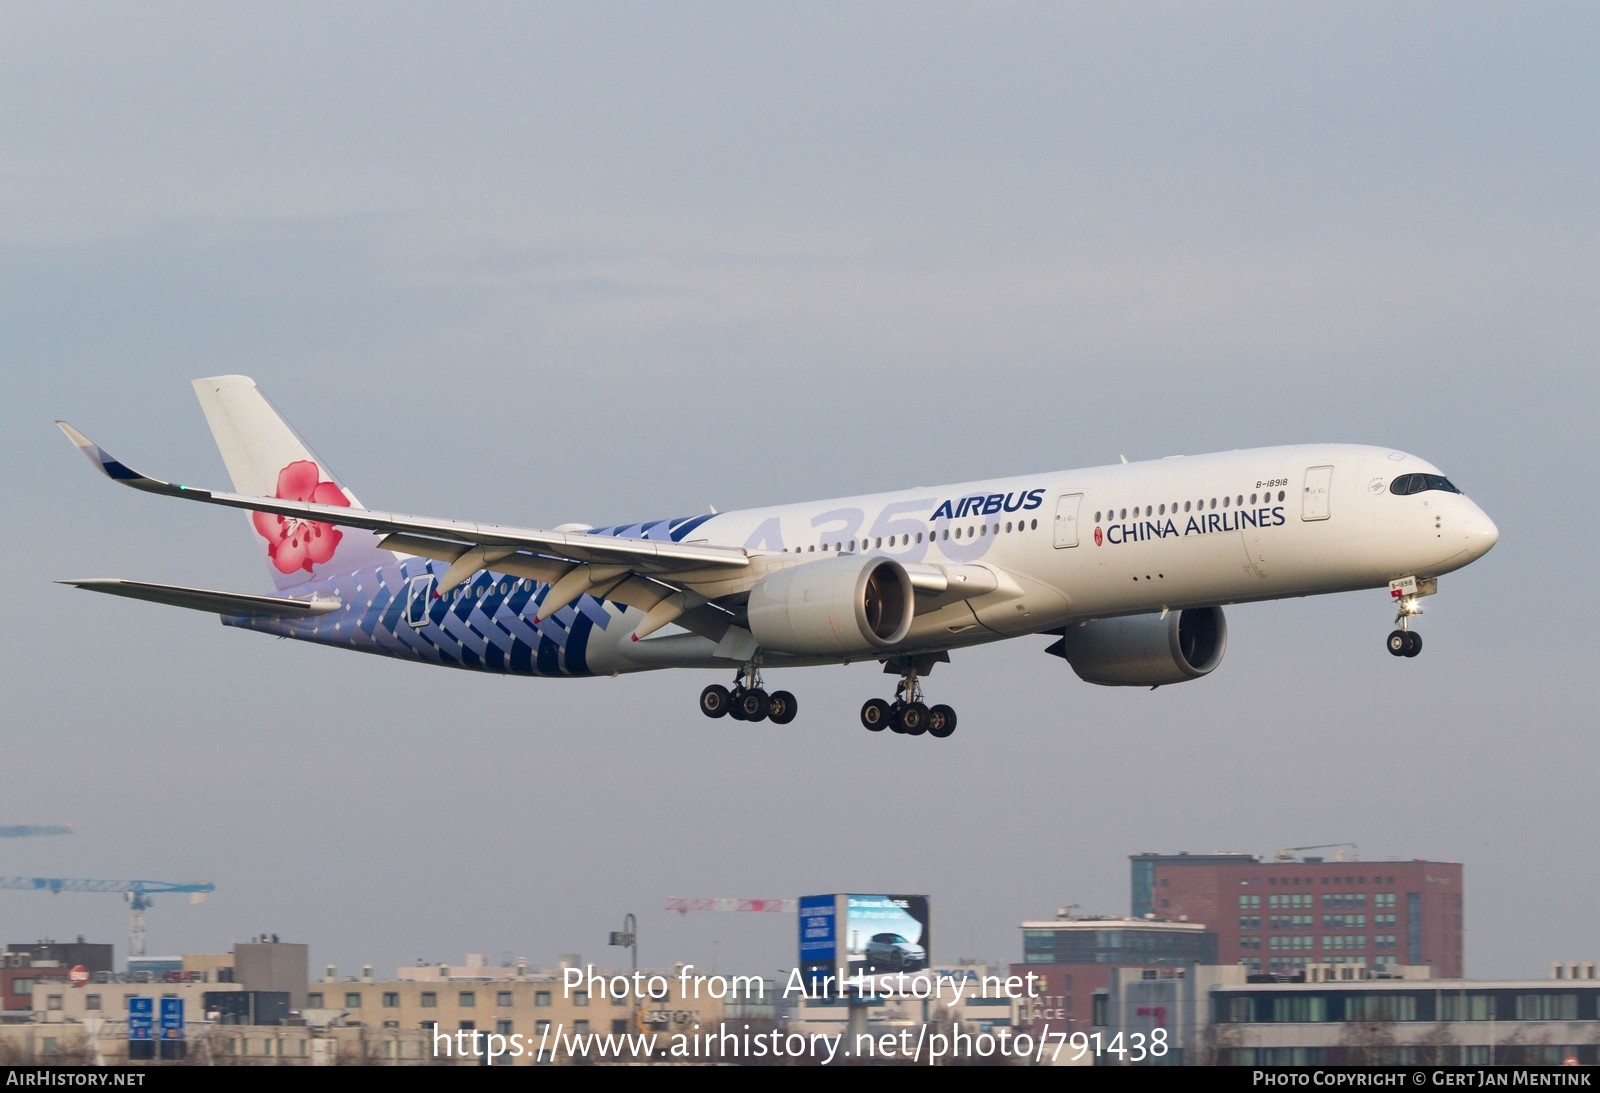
(1482, 534)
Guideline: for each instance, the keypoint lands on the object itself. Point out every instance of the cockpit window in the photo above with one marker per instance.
(1421, 483)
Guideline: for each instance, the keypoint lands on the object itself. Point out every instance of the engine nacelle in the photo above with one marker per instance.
(844, 605)
(1146, 650)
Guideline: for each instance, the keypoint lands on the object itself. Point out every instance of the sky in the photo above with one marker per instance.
(541, 263)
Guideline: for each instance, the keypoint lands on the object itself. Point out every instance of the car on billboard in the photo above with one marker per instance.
(895, 952)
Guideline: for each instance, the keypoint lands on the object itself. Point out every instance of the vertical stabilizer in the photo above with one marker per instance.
(267, 458)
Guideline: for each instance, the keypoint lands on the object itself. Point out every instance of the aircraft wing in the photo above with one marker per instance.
(205, 599)
(648, 554)
(671, 581)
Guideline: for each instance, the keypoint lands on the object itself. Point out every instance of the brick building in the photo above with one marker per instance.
(1283, 914)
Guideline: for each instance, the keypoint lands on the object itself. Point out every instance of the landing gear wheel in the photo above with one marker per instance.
(1413, 643)
(781, 708)
(941, 721)
(754, 705)
(876, 715)
(912, 719)
(1399, 642)
(716, 701)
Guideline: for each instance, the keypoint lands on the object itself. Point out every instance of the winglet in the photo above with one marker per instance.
(113, 468)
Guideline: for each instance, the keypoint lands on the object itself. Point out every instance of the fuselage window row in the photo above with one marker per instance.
(848, 546)
(1188, 506)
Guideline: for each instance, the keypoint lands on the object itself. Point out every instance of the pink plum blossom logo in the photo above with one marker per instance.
(293, 543)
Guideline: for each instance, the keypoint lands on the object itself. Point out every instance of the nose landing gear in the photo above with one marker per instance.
(1405, 592)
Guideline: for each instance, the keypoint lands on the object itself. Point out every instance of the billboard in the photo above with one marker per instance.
(850, 934)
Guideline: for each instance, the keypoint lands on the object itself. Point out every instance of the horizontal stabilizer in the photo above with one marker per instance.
(203, 599)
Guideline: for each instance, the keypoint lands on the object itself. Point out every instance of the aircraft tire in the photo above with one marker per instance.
(876, 715)
(783, 708)
(755, 704)
(1413, 643)
(912, 719)
(716, 701)
(941, 721)
(1398, 643)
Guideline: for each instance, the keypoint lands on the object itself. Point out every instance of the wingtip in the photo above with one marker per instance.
(74, 435)
(107, 464)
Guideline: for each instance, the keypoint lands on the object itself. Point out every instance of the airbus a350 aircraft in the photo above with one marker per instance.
(1128, 566)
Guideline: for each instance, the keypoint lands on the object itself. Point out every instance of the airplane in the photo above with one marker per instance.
(1128, 566)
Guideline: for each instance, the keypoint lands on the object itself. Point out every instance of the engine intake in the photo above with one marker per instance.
(844, 605)
(1146, 650)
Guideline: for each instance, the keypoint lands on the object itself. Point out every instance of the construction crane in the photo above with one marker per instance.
(17, 831)
(136, 892)
(1288, 853)
(684, 906)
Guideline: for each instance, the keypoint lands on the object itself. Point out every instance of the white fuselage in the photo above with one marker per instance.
(1066, 546)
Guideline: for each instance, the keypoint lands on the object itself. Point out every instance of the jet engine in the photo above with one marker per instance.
(838, 606)
(1146, 650)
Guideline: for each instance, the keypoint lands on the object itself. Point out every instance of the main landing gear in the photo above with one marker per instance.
(908, 714)
(1406, 642)
(746, 700)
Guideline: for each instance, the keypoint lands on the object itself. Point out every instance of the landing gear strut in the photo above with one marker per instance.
(1406, 642)
(747, 700)
(908, 714)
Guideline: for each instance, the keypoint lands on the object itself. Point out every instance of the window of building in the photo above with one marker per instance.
(541, 998)
(502, 998)
(467, 999)
(391, 999)
(352, 1000)
(91, 1001)
(430, 999)
(314, 1000)
(52, 1001)
(581, 998)
(580, 1027)
(503, 1027)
